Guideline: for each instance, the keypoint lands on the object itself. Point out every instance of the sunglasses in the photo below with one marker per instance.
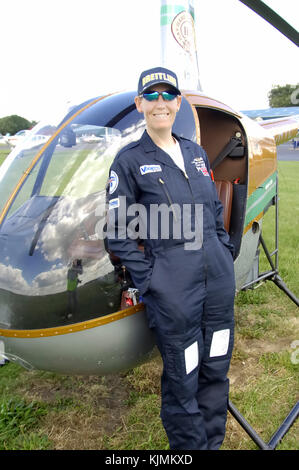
(154, 95)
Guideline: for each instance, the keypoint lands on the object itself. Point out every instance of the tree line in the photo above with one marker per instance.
(14, 123)
(284, 96)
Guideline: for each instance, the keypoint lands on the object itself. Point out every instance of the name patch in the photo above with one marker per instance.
(144, 169)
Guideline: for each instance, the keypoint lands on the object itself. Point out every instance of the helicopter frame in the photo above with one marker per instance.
(272, 275)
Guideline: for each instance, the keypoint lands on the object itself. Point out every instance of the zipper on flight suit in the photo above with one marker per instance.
(187, 178)
(205, 264)
(166, 192)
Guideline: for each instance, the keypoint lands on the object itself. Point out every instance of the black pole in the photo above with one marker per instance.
(272, 276)
(283, 429)
(273, 18)
(262, 277)
(267, 253)
(246, 426)
(279, 282)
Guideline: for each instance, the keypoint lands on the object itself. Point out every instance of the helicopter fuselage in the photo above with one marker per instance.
(60, 297)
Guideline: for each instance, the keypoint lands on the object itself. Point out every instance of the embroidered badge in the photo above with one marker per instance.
(200, 165)
(113, 182)
(150, 169)
(114, 203)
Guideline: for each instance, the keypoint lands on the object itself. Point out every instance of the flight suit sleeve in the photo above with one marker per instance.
(221, 232)
(122, 194)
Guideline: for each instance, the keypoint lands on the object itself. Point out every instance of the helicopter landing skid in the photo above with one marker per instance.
(271, 275)
(277, 436)
(293, 415)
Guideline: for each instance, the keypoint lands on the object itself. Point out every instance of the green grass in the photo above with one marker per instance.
(42, 410)
(266, 326)
(3, 155)
(147, 434)
(267, 395)
(19, 418)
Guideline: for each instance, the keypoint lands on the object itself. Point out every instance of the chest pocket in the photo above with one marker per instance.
(200, 180)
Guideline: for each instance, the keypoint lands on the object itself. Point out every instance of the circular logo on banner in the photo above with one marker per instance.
(113, 182)
(182, 29)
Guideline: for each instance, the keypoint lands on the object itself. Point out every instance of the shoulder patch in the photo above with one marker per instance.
(113, 182)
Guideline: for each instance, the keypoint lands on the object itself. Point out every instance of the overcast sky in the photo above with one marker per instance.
(59, 51)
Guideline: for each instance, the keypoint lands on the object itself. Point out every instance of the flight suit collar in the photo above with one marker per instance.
(159, 154)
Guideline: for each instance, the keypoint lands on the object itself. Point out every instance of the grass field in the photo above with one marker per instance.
(3, 155)
(42, 410)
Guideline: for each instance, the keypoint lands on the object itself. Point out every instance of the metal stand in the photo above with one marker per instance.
(271, 275)
(277, 436)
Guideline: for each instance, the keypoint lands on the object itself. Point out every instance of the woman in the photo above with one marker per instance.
(185, 273)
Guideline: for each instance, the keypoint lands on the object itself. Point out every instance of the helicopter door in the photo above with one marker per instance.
(218, 130)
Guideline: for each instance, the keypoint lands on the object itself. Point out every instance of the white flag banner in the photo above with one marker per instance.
(178, 42)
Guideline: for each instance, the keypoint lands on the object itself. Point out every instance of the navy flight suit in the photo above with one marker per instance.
(187, 284)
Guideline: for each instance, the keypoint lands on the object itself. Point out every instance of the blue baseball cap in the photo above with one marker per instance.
(151, 77)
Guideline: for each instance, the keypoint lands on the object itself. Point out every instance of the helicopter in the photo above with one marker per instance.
(62, 302)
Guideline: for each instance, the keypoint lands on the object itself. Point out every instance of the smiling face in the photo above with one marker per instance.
(159, 114)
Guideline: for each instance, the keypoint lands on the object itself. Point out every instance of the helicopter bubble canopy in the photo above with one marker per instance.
(53, 261)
